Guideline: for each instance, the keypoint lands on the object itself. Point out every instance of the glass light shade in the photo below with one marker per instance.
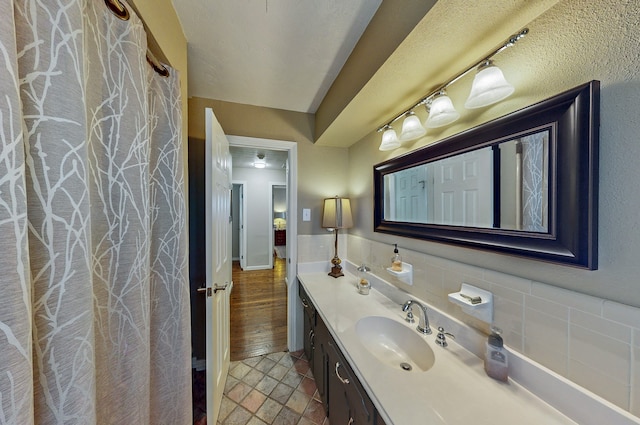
(260, 163)
(441, 112)
(489, 86)
(411, 128)
(389, 140)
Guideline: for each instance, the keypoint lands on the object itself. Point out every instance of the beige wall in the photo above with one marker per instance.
(322, 171)
(572, 43)
(372, 50)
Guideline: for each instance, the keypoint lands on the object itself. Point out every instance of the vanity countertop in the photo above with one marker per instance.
(454, 391)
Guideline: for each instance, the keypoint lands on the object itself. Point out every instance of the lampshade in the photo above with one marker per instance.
(337, 213)
(411, 128)
(489, 86)
(389, 140)
(441, 111)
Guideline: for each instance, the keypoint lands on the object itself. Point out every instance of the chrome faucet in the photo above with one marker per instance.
(423, 324)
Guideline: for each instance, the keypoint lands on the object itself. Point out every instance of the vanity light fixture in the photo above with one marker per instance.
(260, 162)
(390, 139)
(489, 86)
(441, 111)
(411, 128)
(336, 215)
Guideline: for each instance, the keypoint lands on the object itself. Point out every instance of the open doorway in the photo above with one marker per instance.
(279, 219)
(259, 229)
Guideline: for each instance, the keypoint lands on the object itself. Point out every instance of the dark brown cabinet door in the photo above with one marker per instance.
(309, 318)
(321, 338)
(344, 398)
(348, 403)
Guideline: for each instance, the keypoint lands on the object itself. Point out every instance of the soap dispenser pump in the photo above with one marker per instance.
(396, 260)
(496, 363)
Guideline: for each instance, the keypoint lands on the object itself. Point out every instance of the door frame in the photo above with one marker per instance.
(242, 237)
(294, 309)
(273, 185)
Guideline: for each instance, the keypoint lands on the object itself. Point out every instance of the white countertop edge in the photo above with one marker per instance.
(572, 400)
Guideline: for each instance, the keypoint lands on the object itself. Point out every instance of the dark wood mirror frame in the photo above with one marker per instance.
(573, 119)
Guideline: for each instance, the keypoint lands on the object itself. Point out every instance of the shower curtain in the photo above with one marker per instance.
(94, 297)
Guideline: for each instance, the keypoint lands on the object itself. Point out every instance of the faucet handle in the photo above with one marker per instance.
(441, 338)
(409, 317)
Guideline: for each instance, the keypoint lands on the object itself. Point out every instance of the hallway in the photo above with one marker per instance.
(258, 308)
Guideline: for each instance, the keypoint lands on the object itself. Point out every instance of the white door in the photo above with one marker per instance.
(463, 189)
(218, 265)
(410, 195)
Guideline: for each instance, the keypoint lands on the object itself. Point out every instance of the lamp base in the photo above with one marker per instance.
(336, 270)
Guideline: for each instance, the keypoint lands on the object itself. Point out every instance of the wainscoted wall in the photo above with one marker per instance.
(591, 341)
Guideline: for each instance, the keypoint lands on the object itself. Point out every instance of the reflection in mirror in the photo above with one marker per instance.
(524, 184)
(503, 186)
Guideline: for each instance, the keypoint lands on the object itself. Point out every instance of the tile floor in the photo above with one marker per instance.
(275, 389)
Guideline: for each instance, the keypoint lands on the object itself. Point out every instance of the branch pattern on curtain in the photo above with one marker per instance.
(94, 307)
(534, 182)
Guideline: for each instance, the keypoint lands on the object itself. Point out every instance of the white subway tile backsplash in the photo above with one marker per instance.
(635, 376)
(621, 313)
(546, 339)
(600, 383)
(547, 307)
(592, 341)
(601, 325)
(552, 358)
(506, 293)
(508, 316)
(512, 282)
(597, 351)
(567, 298)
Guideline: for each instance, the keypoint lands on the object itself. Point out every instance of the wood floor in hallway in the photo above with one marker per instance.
(258, 308)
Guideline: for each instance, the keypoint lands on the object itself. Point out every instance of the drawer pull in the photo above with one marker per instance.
(344, 381)
(304, 303)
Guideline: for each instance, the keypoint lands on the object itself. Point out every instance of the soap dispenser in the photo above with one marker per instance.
(496, 363)
(396, 260)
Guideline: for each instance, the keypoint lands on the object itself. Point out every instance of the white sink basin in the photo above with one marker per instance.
(394, 344)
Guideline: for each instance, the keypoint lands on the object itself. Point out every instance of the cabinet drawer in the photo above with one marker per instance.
(307, 305)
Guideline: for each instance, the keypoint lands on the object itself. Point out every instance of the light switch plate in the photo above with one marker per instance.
(306, 214)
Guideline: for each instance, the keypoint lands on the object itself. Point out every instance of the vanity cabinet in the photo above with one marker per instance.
(320, 368)
(316, 336)
(343, 397)
(348, 402)
(309, 324)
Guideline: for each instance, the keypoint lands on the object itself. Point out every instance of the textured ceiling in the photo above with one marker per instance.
(245, 157)
(453, 35)
(281, 54)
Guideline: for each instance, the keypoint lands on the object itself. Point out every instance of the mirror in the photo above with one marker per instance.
(503, 186)
(524, 184)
